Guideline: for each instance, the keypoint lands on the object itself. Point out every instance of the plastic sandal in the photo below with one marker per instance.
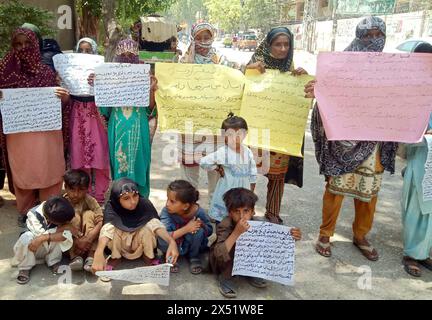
(88, 264)
(368, 251)
(227, 288)
(411, 267)
(323, 248)
(257, 282)
(195, 266)
(77, 264)
(426, 263)
(23, 277)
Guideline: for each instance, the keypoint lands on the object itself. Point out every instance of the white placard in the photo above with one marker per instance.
(74, 69)
(266, 251)
(30, 110)
(122, 85)
(427, 178)
(159, 274)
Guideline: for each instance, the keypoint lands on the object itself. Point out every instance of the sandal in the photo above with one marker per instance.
(227, 288)
(411, 266)
(175, 268)
(77, 264)
(427, 263)
(323, 248)
(367, 250)
(257, 282)
(55, 267)
(88, 264)
(195, 266)
(23, 276)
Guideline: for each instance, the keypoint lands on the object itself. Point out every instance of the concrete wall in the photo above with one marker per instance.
(65, 34)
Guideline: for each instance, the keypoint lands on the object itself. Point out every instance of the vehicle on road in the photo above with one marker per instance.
(409, 45)
(247, 41)
(227, 41)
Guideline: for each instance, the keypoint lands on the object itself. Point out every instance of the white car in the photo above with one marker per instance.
(410, 44)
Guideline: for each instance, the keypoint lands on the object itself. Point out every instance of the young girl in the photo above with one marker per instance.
(131, 227)
(88, 136)
(34, 160)
(276, 52)
(187, 223)
(128, 130)
(234, 162)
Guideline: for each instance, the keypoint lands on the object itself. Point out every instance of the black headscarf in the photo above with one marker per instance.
(123, 219)
(263, 53)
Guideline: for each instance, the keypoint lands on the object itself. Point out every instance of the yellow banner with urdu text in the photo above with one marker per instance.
(275, 101)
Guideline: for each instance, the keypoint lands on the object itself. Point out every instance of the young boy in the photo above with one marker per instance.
(48, 235)
(240, 203)
(88, 219)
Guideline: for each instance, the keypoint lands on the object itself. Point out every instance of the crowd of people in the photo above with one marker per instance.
(101, 145)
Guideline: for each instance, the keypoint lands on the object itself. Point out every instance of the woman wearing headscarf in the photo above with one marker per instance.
(88, 146)
(352, 168)
(34, 160)
(417, 213)
(131, 228)
(191, 148)
(128, 130)
(276, 51)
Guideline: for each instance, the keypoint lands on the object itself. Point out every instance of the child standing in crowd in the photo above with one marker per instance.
(187, 223)
(417, 213)
(88, 136)
(240, 203)
(131, 227)
(128, 130)
(48, 235)
(88, 219)
(34, 160)
(234, 162)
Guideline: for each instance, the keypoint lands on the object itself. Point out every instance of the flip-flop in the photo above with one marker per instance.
(175, 268)
(427, 263)
(227, 288)
(411, 267)
(321, 248)
(23, 277)
(367, 251)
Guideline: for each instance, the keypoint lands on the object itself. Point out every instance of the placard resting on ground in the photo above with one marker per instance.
(159, 274)
(122, 85)
(30, 110)
(266, 251)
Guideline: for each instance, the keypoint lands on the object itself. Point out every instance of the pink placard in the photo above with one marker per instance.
(374, 96)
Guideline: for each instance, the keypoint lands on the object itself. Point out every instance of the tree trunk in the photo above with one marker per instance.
(113, 31)
(88, 24)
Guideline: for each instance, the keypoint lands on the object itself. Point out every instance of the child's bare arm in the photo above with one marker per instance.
(99, 259)
(241, 227)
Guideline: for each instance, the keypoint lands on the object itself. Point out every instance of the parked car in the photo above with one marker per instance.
(227, 41)
(247, 41)
(410, 44)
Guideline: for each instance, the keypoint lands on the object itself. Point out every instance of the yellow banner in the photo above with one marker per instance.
(276, 111)
(203, 94)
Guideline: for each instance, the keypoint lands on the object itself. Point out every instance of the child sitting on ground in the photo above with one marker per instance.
(240, 203)
(234, 162)
(130, 230)
(187, 223)
(48, 234)
(88, 219)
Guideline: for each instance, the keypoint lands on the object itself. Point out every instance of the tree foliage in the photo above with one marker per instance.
(14, 13)
(186, 10)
